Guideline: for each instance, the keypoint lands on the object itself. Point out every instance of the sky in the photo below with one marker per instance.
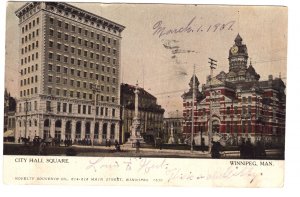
(162, 62)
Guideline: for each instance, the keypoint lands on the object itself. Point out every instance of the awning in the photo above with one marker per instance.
(9, 133)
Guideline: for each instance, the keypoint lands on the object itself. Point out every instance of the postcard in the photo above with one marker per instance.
(145, 94)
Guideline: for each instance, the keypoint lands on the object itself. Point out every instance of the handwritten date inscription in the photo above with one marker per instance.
(160, 29)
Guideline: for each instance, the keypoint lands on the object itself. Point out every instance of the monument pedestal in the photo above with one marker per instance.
(135, 134)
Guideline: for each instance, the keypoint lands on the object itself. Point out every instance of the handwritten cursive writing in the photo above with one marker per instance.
(160, 30)
(146, 165)
(102, 163)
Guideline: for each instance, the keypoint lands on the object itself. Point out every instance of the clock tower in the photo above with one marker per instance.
(238, 56)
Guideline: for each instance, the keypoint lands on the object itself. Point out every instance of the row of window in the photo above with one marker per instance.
(29, 58)
(78, 84)
(30, 36)
(79, 95)
(65, 80)
(66, 59)
(71, 71)
(30, 25)
(28, 107)
(81, 109)
(29, 91)
(92, 45)
(80, 31)
(29, 69)
(29, 80)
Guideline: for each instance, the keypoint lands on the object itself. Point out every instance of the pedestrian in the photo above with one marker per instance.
(242, 150)
(42, 148)
(215, 150)
(117, 146)
(106, 143)
(109, 143)
(137, 146)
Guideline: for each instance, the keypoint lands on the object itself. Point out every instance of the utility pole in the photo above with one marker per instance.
(212, 66)
(96, 89)
(193, 103)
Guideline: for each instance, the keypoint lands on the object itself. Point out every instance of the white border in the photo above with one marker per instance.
(292, 138)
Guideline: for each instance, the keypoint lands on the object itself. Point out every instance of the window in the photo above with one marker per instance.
(79, 109)
(235, 109)
(50, 44)
(57, 80)
(49, 79)
(51, 32)
(51, 20)
(227, 127)
(58, 46)
(57, 92)
(249, 99)
(58, 107)
(249, 126)
(244, 99)
(64, 107)
(50, 55)
(49, 90)
(58, 34)
(89, 109)
(66, 36)
(244, 110)
(48, 105)
(243, 127)
(59, 23)
(228, 110)
(70, 108)
(84, 109)
(73, 28)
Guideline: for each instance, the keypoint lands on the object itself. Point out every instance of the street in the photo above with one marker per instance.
(102, 151)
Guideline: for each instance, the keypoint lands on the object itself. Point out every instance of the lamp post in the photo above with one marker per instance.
(96, 89)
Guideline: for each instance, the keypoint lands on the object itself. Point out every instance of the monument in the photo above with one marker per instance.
(136, 124)
(171, 139)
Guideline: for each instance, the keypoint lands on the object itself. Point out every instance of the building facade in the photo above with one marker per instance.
(9, 115)
(173, 127)
(64, 52)
(150, 114)
(237, 104)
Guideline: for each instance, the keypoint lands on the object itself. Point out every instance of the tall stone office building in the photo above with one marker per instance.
(64, 52)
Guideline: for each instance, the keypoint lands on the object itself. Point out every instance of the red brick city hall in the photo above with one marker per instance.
(237, 104)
